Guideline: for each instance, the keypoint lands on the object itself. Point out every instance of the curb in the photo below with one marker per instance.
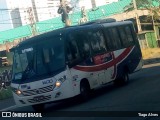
(151, 61)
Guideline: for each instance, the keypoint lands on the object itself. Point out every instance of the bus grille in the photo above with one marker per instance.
(38, 91)
(44, 98)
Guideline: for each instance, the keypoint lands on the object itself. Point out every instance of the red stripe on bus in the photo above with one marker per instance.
(105, 65)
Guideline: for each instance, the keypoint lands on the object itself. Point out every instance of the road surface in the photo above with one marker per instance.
(141, 94)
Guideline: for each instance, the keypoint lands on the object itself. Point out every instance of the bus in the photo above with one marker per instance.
(72, 61)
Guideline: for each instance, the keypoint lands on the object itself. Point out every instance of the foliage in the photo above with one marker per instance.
(152, 5)
(5, 93)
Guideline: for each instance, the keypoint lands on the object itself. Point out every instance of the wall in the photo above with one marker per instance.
(151, 39)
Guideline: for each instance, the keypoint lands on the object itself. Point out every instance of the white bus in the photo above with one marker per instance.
(71, 61)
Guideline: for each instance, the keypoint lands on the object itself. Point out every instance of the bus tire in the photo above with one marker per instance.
(38, 107)
(85, 90)
(123, 79)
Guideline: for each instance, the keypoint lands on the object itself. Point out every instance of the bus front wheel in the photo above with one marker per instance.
(38, 107)
(85, 90)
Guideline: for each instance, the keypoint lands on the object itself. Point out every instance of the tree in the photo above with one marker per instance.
(152, 5)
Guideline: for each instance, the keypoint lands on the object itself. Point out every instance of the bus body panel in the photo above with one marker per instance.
(98, 69)
(31, 91)
(99, 74)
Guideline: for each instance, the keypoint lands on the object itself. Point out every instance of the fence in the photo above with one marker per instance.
(147, 40)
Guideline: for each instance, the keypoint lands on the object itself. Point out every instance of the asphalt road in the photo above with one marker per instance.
(142, 94)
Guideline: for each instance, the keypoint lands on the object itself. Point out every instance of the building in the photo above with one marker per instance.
(91, 3)
(19, 12)
(5, 21)
(45, 9)
(29, 11)
(110, 1)
(15, 15)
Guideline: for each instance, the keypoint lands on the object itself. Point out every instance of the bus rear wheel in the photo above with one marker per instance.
(38, 107)
(124, 79)
(85, 90)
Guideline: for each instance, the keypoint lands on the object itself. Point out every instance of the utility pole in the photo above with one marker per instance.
(32, 21)
(154, 25)
(137, 17)
(64, 9)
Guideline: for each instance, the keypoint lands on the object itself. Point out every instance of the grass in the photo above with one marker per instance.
(151, 53)
(4, 94)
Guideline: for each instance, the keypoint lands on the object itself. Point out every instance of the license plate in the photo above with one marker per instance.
(38, 98)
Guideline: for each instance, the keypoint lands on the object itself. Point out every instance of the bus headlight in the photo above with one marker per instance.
(60, 81)
(18, 92)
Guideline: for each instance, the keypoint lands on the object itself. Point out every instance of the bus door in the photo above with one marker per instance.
(99, 52)
(78, 54)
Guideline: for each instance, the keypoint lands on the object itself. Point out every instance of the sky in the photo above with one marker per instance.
(4, 17)
(5, 20)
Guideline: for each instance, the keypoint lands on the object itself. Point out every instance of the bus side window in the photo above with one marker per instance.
(108, 40)
(129, 35)
(102, 43)
(97, 41)
(115, 39)
(123, 36)
(83, 44)
(72, 49)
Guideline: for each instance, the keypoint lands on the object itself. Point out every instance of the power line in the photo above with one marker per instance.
(26, 8)
(90, 14)
(36, 23)
(7, 9)
(24, 17)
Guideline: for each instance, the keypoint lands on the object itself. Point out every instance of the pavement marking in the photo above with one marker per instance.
(9, 108)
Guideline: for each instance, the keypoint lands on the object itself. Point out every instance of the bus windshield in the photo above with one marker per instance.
(39, 61)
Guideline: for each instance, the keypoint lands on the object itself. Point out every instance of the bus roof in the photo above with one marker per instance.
(62, 31)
